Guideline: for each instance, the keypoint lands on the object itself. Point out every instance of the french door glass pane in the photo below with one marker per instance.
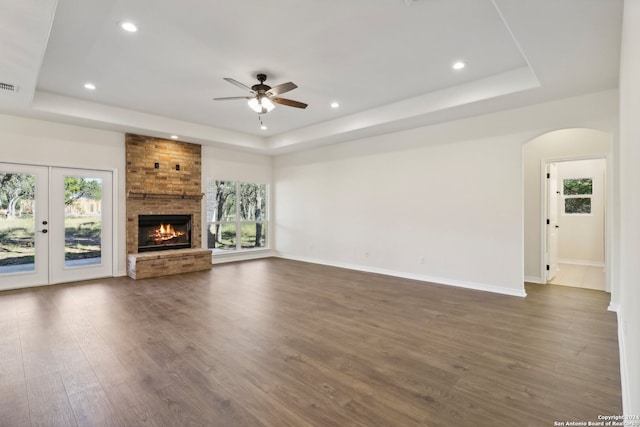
(17, 222)
(82, 221)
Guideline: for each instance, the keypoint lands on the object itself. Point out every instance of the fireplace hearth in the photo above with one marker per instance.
(163, 232)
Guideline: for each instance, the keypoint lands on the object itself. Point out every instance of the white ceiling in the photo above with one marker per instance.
(387, 62)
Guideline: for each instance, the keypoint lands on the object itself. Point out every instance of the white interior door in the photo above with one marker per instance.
(24, 238)
(81, 232)
(551, 249)
(55, 225)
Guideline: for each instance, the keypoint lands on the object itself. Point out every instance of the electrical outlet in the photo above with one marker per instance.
(421, 260)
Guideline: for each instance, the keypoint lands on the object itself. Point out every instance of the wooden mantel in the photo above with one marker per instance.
(137, 195)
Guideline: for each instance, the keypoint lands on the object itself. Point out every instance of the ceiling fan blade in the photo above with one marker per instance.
(284, 87)
(289, 102)
(237, 83)
(229, 98)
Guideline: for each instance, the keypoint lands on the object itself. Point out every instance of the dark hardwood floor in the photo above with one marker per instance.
(282, 343)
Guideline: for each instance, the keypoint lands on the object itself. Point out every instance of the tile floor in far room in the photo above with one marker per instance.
(580, 276)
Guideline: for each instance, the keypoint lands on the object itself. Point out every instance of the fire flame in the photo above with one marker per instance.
(166, 232)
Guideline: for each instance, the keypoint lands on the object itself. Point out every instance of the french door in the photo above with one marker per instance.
(55, 225)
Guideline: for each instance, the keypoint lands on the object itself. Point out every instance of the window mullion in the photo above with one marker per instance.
(238, 222)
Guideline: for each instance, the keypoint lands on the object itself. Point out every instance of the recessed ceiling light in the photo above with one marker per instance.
(263, 127)
(129, 26)
(335, 105)
(90, 86)
(459, 65)
(174, 136)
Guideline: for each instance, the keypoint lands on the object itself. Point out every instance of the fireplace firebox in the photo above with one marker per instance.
(163, 232)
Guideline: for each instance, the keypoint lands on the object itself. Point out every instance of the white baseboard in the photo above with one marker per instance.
(404, 275)
(531, 279)
(581, 262)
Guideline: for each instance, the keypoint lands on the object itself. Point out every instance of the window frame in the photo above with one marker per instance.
(577, 196)
(238, 222)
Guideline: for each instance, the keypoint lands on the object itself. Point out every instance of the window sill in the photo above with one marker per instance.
(235, 252)
(245, 254)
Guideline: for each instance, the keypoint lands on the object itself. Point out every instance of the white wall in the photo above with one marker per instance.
(555, 145)
(451, 193)
(38, 142)
(629, 312)
(581, 237)
(235, 165)
(385, 211)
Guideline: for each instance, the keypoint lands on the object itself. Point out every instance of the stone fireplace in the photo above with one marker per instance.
(163, 185)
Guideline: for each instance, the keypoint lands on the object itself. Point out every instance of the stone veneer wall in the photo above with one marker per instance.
(163, 263)
(162, 190)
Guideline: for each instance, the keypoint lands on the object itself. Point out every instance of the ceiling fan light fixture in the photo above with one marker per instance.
(260, 104)
(263, 96)
(255, 105)
(268, 104)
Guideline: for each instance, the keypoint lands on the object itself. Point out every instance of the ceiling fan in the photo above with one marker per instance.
(263, 96)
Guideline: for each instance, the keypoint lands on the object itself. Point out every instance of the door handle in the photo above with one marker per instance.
(557, 226)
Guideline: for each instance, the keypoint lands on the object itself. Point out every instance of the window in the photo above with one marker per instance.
(576, 193)
(236, 215)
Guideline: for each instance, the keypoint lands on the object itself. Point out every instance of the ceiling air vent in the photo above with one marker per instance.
(8, 87)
